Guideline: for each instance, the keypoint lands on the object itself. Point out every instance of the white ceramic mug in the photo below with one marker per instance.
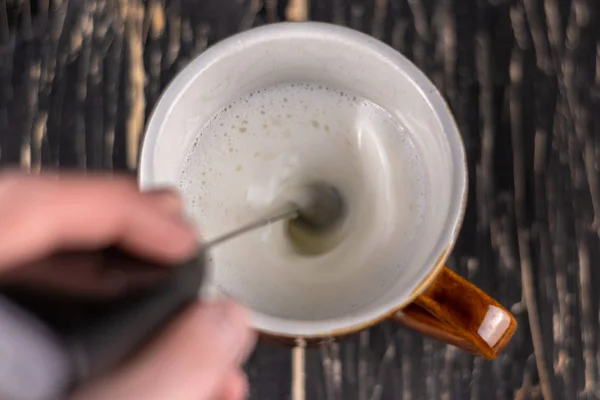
(426, 296)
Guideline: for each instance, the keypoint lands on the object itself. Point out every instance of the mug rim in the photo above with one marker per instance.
(438, 106)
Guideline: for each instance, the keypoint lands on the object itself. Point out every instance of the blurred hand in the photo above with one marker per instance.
(198, 356)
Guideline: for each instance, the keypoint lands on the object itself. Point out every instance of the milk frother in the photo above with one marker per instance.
(50, 344)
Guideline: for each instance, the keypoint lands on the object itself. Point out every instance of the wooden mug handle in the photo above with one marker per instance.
(457, 312)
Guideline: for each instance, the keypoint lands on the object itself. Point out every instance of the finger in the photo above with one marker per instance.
(170, 202)
(234, 387)
(189, 362)
(85, 276)
(166, 199)
(39, 215)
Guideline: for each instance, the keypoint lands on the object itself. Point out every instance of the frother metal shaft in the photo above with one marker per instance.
(291, 212)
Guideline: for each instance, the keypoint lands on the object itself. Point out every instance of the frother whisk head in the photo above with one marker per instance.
(322, 208)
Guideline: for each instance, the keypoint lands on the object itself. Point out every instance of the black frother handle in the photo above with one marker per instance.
(120, 327)
(100, 334)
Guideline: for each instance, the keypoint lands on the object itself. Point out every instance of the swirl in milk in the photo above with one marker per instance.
(253, 157)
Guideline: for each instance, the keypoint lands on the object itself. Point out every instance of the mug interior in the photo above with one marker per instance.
(346, 60)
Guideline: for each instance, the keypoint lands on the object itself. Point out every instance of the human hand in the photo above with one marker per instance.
(199, 355)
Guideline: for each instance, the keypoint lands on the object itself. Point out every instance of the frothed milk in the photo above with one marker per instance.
(252, 157)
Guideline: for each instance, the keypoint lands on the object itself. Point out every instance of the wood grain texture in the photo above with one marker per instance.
(78, 80)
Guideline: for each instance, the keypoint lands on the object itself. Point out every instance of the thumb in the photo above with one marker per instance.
(188, 362)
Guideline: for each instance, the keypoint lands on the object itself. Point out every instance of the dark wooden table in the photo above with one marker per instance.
(78, 79)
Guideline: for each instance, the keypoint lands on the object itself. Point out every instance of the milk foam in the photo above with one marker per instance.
(254, 154)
